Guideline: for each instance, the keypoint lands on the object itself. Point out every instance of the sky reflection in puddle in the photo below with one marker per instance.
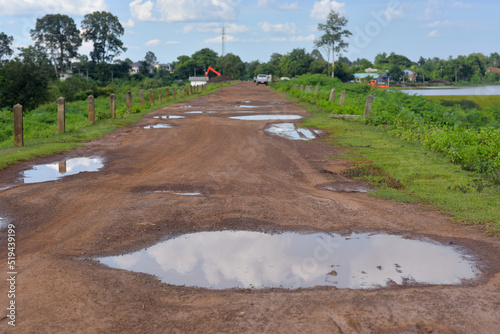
(291, 131)
(265, 117)
(54, 171)
(245, 259)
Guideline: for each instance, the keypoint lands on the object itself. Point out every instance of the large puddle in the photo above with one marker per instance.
(51, 172)
(244, 259)
(158, 126)
(266, 117)
(291, 131)
(170, 117)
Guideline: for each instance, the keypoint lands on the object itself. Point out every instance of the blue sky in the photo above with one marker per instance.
(257, 28)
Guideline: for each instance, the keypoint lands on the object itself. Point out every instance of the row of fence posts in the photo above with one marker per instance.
(368, 104)
(61, 108)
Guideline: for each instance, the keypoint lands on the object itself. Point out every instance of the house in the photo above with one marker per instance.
(362, 77)
(493, 69)
(135, 67)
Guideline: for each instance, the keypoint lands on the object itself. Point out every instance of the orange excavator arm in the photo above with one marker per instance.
(210, 68)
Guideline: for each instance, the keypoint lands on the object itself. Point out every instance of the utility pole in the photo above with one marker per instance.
(87, 75)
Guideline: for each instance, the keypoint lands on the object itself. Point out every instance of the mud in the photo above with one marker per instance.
(257, 182)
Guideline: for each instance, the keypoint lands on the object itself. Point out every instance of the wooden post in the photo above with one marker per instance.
(112, 105)
(62, 167)
(151, 97)
(296, 87)
(178, 93)
(167, 95)
(129, 101)
(342, 98)
(173, 93)
(61, 115)
(316, 90)
(159, 96)
(91, 108)
(18, 126)
(332, 95)
(301, 88)
(368, 105)
(141, 97)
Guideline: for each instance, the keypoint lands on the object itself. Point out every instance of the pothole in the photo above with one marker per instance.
(345, 186)
(158, 126)
(291, 131)
(200, 112)
(169, 117)
(265, 117)
(245, 259)
(54, 171)
(173, 193)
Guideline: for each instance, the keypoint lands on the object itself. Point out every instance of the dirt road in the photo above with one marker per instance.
(249, 180)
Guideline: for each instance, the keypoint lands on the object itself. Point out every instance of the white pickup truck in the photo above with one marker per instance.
(262, 79)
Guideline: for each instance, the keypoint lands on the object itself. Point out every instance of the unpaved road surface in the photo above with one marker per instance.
(251, 180)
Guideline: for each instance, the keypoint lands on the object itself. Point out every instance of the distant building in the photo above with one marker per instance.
(371, 70)
(493, 69)
(362, 77)
(135, 67)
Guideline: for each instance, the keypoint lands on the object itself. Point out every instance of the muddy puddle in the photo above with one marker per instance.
(291, 131)
(346, 186)
(54, 171)
(245, 259)
(158, 126)
(3, 223)
(200, 112)
(266, 117)
(169, 117)
(173, 193)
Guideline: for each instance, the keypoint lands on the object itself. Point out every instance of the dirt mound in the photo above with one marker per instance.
(218, 79)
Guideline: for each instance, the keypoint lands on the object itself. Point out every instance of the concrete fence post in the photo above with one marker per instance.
(368, 105)
(167, 94)
(332, 95)
(316, 90)
(173, 93)
(61, 115)
(151, 97)
(342, 98)
(141, 97)
(91, 109)
(178, 92)
(18, 126)
(301, 88)
(160, 99)
(296, 87)
(112, 105)
(129, 101)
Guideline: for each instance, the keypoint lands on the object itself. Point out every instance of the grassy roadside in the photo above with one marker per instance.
(483, 101)
(67, 141)
(422, 176)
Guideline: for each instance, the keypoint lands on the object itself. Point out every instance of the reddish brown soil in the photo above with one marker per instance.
(252, 181)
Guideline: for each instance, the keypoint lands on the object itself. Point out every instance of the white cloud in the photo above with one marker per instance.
(462, 5)
(192, 10)
(172, 42)
(433, 33)
(273, 4)
(129, 24)
(281, 28)
(82, 7)
(434, 10)
(218, 40)
(142, 11)
(216, 27)
(392, 14)
(297, 39)
(153, 42)
(445, 24)
(322, 8)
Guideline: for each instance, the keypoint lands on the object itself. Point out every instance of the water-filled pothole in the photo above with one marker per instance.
(265, 117)
(51, 172)
(173, 193)
(170, 117)
(3, 223)
(244, 259)
(346, 186)
(200, 112)
(158, 126)
(291, 131)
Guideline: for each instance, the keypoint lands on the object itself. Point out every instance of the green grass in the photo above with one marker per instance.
(483, 101)
(425, 177)
(79, 131)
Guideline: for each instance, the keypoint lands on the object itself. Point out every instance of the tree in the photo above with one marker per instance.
(59, 36)
(204, 58)
(5, 43)
(150, 58)
(104, 30)
(231, 65)
(334, 34)
(396, 73)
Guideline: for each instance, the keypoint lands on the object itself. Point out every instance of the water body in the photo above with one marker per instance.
(291, 131)
(244, 259)
(448, 91)
(158, 126)
(265, 117)
(169, 117)
(54, 171)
